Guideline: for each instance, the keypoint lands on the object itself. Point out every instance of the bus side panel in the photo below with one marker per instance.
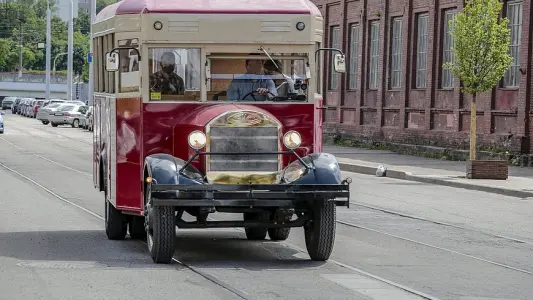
(129, 160)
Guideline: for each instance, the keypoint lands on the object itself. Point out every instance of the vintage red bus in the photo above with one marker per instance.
(213, 106)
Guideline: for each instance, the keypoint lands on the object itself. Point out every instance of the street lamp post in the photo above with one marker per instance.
(48, 47)
(92, 12)
(55, 58)
(70, 50)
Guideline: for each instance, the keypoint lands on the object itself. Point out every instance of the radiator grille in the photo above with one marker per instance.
(243, 140)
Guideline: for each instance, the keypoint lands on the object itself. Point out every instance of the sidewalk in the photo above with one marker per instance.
(421, 169)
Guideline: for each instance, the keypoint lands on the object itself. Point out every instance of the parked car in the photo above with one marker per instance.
(15, 105)
(84, 120)
(2, 122)
(68, 114)
(7, 102)
(44, 112)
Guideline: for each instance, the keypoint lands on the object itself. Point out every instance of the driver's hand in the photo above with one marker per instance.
(261, 91)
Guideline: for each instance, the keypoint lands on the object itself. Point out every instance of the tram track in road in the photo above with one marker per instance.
(441, 223)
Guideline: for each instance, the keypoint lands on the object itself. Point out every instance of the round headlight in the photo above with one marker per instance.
(197, 140)
(292, 139)
(300, 26)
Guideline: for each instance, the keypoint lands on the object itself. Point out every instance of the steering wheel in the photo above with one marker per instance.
(252, 94)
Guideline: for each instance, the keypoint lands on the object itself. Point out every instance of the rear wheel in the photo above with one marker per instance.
(320, 234)
(279, 234)
(115, 223)
(255, 234)
(76, 123)
(53, 124)
(44, 122)
(160, 226)
(136, 228)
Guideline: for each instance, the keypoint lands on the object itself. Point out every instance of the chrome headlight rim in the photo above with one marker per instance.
(200, 137)
(292, 136)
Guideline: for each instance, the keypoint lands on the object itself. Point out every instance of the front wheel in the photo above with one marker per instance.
(320, 234)
(53, 124)
(44, 122)
(160, 225)
(76, 123)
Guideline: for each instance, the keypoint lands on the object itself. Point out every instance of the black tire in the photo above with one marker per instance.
(53, 124)
(116, 226)
(320, 234)
(279, 234)
(136, 228)
(76, 123)
(255, 234)
(162, 237)
(44, 122)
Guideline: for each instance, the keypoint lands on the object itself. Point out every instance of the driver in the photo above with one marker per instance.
(166, 81)
(262, 87)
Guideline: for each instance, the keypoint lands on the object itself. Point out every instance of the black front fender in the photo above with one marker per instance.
(164, 169)
(324, 170)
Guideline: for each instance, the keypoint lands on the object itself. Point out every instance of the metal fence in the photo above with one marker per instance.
(32, 78)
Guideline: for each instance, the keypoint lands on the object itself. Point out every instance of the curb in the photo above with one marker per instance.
(410, 177)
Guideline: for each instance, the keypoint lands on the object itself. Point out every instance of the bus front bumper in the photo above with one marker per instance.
(244, 195)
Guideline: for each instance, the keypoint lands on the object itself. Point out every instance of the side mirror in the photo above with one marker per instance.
(111, 61)
(339, 63)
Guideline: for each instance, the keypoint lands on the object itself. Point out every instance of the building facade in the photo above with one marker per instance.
(395, 88)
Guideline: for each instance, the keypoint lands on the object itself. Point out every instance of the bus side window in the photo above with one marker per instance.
(174, 74)
(129, 80)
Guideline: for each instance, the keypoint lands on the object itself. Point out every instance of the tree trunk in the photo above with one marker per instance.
(473, 126)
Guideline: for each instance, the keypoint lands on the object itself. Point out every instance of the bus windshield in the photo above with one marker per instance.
(255, 77)
(175, 75)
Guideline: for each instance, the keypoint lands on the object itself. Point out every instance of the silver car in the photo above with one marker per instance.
(68, 114)
(45, 111)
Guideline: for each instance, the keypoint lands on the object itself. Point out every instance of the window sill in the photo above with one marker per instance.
(509, 89)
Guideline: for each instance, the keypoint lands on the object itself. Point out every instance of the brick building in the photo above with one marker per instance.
(395, 88)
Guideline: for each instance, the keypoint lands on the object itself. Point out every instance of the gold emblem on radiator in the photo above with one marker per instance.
(245, 119)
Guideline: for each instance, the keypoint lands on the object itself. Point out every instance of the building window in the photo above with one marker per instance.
(396, 54)
(354, 56)
(514, 14)
(333, 77)
(421, 50)
(447, 80)
(374, 55)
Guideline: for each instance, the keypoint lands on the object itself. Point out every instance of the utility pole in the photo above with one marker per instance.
(48, 47)
(21, 19)
(92, 16)
(70, 50)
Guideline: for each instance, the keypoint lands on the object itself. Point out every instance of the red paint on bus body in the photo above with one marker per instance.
(148, 128)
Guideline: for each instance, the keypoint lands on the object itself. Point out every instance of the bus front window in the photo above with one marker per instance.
(254, 77)
(174, 74)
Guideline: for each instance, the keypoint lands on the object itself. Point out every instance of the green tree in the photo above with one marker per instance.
(481, 44)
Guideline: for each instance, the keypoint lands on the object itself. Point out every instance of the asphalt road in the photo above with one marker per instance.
(441, 242)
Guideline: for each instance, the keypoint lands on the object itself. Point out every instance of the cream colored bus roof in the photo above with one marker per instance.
(124, 7)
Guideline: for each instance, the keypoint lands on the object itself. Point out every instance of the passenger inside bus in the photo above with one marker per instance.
(253, 85)
(166, 81)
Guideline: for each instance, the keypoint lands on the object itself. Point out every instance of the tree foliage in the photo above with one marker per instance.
(30, 16)
(481, 41)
